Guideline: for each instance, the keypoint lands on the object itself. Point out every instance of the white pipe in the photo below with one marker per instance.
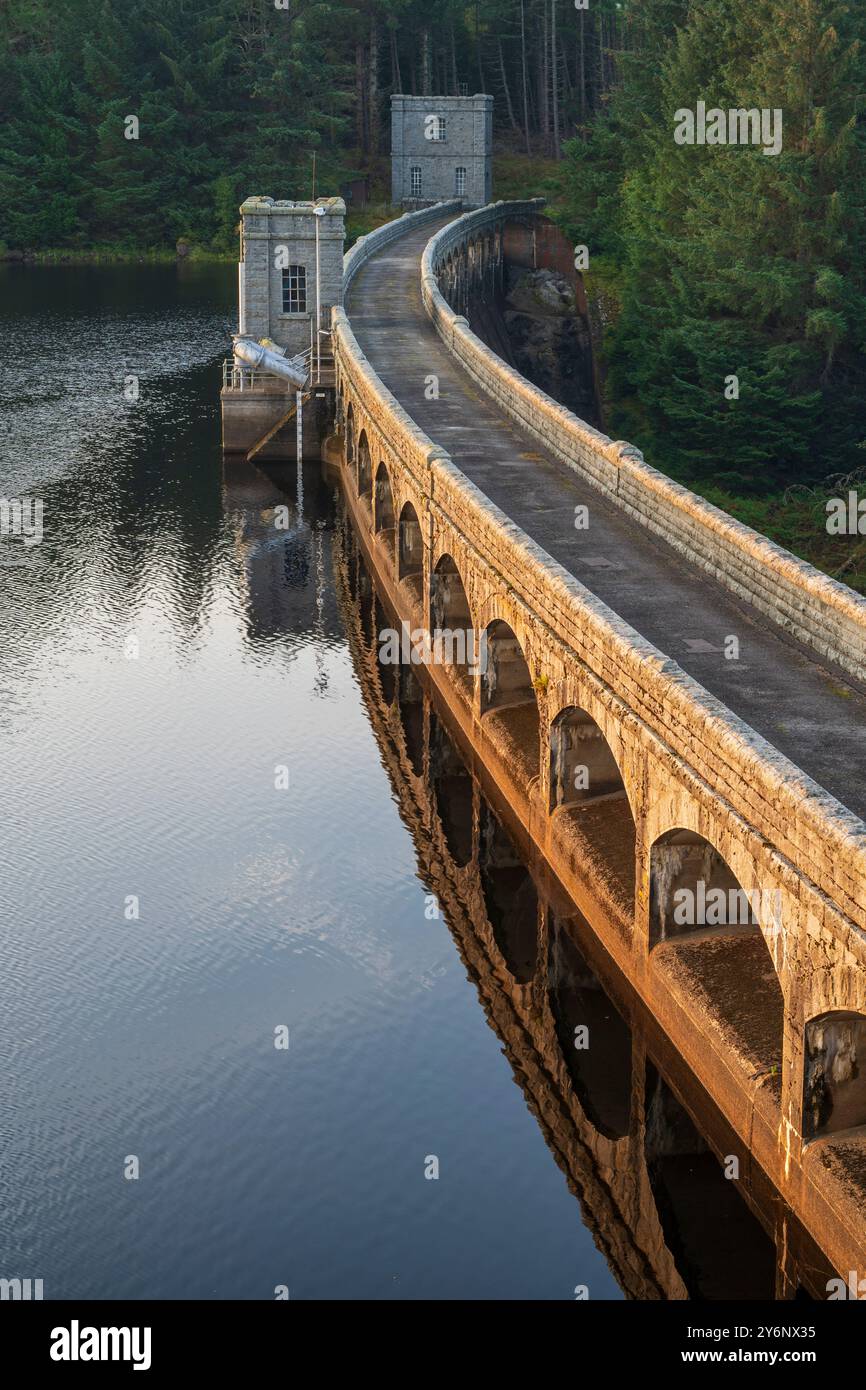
(247, 350)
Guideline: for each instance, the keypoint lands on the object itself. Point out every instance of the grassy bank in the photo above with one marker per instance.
(116, 255)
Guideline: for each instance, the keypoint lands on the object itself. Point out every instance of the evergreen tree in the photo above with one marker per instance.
(739, 264)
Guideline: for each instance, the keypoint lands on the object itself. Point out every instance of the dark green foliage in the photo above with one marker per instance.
(733, 262)
(236, 96)
(230, 98)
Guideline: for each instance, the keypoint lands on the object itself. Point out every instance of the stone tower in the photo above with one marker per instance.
(441, 148)
(277, 271)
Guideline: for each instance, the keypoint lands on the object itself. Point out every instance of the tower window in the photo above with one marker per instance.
(295, 289)
(460, 181)
(414, 182)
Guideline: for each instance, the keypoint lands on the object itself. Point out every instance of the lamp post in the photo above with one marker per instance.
(320, 212)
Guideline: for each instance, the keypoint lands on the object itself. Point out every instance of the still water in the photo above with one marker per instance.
(166, 907)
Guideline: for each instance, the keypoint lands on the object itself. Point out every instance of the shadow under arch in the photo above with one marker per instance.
(510, 896)
(590, 802)
(410, 550)
(708, 929)
(365, 468)
(451, 619)
(350, 433)
(410, 704)
(834, 1073)
(593, 1037)
(508, 703)
(383, 502)
(386, 669)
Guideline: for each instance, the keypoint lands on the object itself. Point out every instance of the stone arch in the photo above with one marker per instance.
(582, 764)
(590, 801)
(692, 888)
(451, 619)
(365, 468)
(350, 433)
(383, 502)
(510, 897)
(410, 562)
(508, 702)
(718, 934)
(834, 1073)
(594, 1038)
(506, 680)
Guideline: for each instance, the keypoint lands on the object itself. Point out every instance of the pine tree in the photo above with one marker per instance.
(742, 264)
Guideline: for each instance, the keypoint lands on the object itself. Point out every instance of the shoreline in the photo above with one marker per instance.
(107, 256)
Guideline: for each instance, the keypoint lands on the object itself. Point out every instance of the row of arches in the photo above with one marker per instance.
(575, 1052)
(582, 771)
(694, 893)
(474, 266)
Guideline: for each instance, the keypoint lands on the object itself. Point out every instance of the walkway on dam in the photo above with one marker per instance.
(813, 714)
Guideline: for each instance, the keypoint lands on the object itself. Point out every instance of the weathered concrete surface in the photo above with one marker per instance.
(687, 762)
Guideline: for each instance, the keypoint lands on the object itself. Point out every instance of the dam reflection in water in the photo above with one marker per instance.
(642, 1148)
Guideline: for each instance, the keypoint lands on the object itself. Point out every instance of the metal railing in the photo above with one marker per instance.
(237, 376)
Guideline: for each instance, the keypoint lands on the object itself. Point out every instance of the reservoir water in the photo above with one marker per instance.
(237, 960)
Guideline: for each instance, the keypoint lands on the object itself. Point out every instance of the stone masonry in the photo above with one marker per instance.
(277, 270)
(441, 148)
(761, 1013)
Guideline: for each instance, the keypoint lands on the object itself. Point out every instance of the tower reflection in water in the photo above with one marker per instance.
(641, 1146)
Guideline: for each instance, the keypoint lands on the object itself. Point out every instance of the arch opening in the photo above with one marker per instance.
(385, 667)
(834, 1074)
(582, 766)
(410, 703)
(706, 934)
(594, 818)
(508, 703)
(453, 632)
(410, 564)
(365, 468)
(383, 503)
(452, 792)
(719, 1248)
(350, 433)
(693, 889)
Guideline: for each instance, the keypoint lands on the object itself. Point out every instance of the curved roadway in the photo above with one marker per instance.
(812, 713)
